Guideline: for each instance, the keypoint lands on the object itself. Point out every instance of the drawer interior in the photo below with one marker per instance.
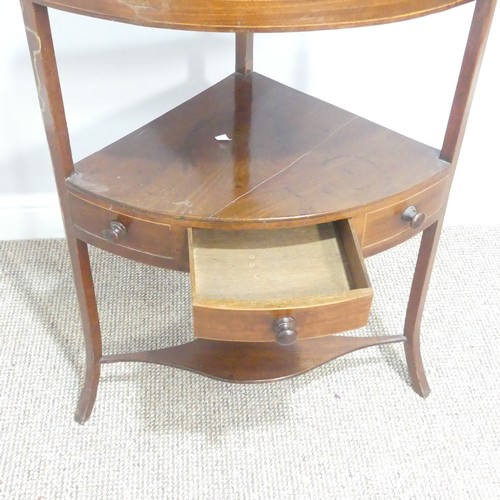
(245, 282)
(277, 268)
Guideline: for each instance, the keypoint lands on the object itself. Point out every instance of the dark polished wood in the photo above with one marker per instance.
(480, 26)
(427, 252)
(251, 154)
(285, 331)
(244, 53)
(149, 242)
(413, 216)
(474, 50)
(386, 226)
(254, 15)
(49, 92)
(253, 361)
(291, 160)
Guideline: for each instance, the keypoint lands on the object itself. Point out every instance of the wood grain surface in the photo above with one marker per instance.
(289, 159)
(253, 361)
(254, 15)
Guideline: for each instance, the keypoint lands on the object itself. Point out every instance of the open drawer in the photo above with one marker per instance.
(277, 284)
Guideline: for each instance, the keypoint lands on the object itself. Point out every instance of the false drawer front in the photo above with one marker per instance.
(277, 285)
(400, 220)
(121, 231)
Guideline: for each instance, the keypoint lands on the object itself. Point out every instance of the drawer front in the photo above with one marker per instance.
(130, 233)
(278, 285)
(388, 225)
(260, 325)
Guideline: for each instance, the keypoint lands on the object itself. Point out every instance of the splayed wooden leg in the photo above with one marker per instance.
(423, 269)
(91, 328)
(88, 393)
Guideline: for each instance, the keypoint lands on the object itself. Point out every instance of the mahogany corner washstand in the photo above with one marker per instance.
(270, 198)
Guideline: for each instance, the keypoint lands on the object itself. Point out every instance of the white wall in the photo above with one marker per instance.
(116, 77)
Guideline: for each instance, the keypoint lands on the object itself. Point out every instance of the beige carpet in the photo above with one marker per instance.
(350, 429)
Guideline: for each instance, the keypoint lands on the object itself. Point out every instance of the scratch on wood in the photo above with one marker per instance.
(142, 4)
(36, 54)
(186, 206)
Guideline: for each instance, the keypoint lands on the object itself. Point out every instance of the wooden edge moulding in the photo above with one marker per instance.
(256, 16)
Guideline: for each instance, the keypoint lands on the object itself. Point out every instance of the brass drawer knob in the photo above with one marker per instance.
(115, 232)
(284, 328)
(413, 216)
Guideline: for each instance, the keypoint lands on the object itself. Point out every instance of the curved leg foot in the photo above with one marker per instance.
(90, 323)
(416, 368)
(88, 394)
(37, 23)
(423, 269)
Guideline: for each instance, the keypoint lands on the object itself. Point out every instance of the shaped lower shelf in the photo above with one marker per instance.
(253, 361)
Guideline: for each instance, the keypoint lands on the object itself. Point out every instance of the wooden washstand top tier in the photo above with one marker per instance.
(254, 15)
(288, 159)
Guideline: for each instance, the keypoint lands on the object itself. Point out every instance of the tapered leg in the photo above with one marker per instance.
(90, 323)
(88, 393)
(37, 24)
(423, 269)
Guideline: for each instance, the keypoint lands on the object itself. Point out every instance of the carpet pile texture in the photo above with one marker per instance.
(352, 428)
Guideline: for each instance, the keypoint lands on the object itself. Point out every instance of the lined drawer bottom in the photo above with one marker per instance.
(277, 285)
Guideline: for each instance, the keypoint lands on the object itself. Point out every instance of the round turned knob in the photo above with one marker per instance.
(115, 232)
(414, 217)
(284, 328)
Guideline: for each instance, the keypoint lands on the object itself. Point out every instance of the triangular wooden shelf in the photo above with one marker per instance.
(288, 157)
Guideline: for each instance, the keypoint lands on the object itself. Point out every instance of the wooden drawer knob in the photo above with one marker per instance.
(284, 328)
(413, 216)
(115, 232)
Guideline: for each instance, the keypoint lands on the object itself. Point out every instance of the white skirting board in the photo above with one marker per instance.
(30, 216)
